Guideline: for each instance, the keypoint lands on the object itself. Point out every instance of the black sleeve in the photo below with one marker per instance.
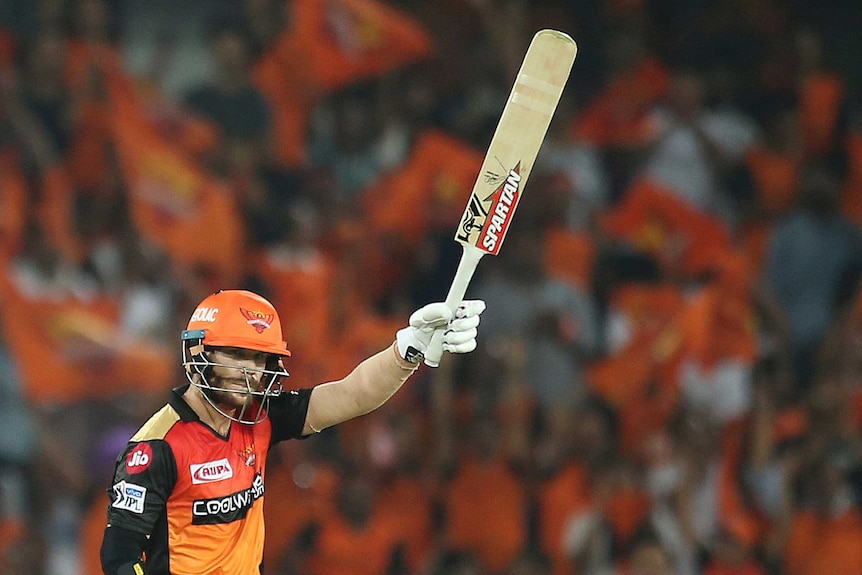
(122, 551)
(144, 477)
(287, 414)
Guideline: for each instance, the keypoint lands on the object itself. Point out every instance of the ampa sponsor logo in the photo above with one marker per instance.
(211, 471)
(129, 496)
(233, 507)
(139, 458)
(207, 314)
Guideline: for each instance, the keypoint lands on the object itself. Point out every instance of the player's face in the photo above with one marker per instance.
(237, 370)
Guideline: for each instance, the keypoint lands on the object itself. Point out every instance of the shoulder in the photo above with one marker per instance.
(158, 426)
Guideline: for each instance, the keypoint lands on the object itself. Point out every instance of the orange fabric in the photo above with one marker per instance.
(627, 510)
(651, 311)
(329, 45)
(281, 76)
(92, 530)
(349, 40)
(85, 59)
(755, 238)
(294, 508)
(821, 98)
(13, 206)
(87, 159)
(851, 199)
(428, 191)
(569, 257)
(789, 423)
(649, 415)
(816, 545)
(774, 178)
(7, 49)
(657, 222)
(174, 203)
(56, 212)
(720, 325)
(302, 292)
(409, 506)
(356, 338)
(619, 116)
(344, 550)
(566, 493)
(69, 349)
(486, 512)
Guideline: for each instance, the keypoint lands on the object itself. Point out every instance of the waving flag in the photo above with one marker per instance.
(174, 203)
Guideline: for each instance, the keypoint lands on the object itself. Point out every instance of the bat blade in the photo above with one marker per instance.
(517, 140)
(509, 160)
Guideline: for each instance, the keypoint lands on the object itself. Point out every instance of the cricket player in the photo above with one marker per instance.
(187, 495)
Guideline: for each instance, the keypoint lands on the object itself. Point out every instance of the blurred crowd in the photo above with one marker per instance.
(669, 377)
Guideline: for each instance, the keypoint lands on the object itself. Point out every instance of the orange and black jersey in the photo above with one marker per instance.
(192, 499)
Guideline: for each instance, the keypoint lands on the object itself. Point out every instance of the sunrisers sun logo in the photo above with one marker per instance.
(258, 320)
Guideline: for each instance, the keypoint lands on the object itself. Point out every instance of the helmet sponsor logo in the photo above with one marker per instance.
(211, 471)
(129, 496)
(207, 314)
(139, 458)
(258, 320)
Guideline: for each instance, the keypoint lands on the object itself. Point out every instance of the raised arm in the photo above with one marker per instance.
(376, 379)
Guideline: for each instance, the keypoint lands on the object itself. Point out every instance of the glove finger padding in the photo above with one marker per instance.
(464, 323)
(431, 316)
(459, 337)
(465, 347)
(469, 308)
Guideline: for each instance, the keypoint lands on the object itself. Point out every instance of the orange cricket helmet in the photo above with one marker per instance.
(239, 319)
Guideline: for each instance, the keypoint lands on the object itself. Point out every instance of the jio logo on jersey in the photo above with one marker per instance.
(139, 458)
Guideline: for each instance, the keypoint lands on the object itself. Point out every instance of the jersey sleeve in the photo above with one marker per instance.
(144, 476)
(287, 414)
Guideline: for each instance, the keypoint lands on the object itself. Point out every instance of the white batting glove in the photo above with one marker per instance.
(459, 335)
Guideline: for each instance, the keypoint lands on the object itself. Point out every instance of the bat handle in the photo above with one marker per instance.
(469, 260)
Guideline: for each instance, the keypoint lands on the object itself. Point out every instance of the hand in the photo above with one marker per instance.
(460, 329)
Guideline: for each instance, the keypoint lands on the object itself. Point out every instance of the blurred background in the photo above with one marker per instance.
(669, 377)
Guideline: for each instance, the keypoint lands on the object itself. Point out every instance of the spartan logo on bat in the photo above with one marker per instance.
(259, 321)
(503, 201)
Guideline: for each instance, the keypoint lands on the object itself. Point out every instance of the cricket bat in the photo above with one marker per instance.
(509, 160)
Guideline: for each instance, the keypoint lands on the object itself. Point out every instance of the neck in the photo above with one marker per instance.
(194, 396)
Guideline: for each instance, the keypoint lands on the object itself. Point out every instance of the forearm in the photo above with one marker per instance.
(121, 552)
(365, 389)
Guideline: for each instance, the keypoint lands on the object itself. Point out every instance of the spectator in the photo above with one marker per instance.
(234, 104)
(812, 266)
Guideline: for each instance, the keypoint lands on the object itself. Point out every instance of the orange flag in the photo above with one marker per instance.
(428, 191)
(331, 44)
(302, 292)
(657, 222)
(174, 203)
(620, 115)
(350, 40)
(68, 348)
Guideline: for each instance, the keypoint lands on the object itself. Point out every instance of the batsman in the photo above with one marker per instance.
(188, 489)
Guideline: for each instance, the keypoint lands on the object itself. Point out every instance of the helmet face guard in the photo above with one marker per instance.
(238, 319)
